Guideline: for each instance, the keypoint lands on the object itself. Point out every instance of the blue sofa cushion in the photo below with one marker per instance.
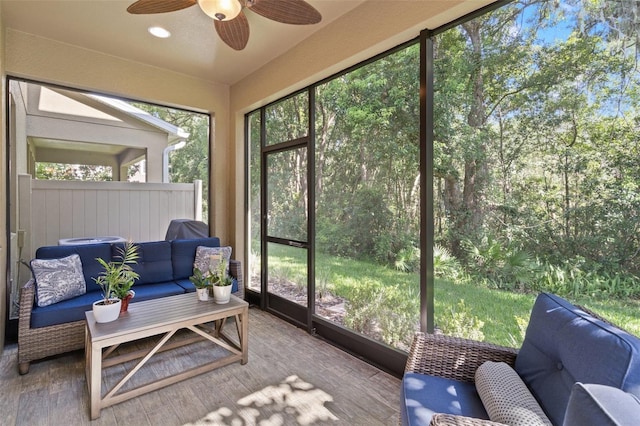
(600, 405)
(421, 396)
(183, 254)
(74, 309)
(88, 254)
(63, 312)
(564, 345)
(154, 290)
(154, 262)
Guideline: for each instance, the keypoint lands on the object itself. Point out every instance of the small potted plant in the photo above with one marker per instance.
(221, 282)
(202, 283)
(116, 281)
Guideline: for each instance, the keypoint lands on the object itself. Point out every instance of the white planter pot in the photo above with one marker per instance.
(203, 294)
(221, 295)
(106, 313)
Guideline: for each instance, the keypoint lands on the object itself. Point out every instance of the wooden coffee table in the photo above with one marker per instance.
(166, 316)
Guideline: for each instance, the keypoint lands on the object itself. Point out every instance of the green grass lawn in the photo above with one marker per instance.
(504, 314)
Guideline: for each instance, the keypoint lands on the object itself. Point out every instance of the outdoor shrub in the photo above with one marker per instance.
(408, 260)
(516, 341)
(572, 278)
(459, 322)
(504, 267)
(360, 227)
(445, 265)
(254, 264)
(332, 237)
(388, 313)
(399, 315)
(363, 302)
(322, 281)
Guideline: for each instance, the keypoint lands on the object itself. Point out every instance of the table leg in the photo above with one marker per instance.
(95, 381)
(244, 339)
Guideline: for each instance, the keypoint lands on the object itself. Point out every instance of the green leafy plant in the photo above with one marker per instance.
(219, 276)
(384, 312)
(460, 322)
(118, 276)
(199, 279)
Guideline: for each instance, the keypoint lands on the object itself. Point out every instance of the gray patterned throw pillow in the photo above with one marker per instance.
(58, 279)
(207, 258)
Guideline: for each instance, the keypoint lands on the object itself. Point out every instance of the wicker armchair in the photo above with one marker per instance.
(454, 358)
(38, 343)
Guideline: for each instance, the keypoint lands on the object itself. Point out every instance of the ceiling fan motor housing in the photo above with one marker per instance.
(221, 10)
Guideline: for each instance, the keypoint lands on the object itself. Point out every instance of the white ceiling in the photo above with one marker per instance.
(193, 49)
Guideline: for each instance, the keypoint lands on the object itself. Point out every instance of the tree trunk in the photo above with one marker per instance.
(464, 206)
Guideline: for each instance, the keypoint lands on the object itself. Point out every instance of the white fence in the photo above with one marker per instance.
(135, 211)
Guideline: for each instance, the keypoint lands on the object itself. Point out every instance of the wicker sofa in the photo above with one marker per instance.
(164, 268)
(580, 369)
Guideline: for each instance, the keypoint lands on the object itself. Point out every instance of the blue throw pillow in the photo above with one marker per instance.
(600, 405)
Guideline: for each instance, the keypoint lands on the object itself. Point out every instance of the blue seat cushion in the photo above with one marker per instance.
(65, 311)
(564, 345)
(74, 309)
(422, 396)
(88, 254)
(190, 288)
(183, 253)
(154, 291)
(600, 405)
(154, 262)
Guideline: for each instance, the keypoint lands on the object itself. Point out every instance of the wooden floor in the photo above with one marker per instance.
(291, 379)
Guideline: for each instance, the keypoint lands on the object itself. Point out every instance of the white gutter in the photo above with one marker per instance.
(165, 159)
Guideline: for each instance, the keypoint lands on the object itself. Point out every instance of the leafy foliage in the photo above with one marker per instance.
(383, 311)
(118, 275)
(536, 179)
(459, 322)
(55, 171)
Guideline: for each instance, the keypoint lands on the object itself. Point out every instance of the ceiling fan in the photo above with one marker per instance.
(230, 22)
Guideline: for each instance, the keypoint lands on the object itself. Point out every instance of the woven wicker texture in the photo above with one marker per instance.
(506, 398)
(38, 343)
(452, 357)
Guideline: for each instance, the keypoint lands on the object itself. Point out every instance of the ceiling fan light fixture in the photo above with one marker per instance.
(221, 10)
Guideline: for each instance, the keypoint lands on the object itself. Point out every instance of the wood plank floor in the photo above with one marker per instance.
(291, 379)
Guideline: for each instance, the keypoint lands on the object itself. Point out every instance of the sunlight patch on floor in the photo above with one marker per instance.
(276, 405)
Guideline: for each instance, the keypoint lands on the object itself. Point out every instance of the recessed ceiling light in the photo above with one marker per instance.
(159, 32)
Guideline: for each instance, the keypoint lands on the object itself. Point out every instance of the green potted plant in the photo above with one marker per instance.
(116, 281)
(202, 283)
(221, 282)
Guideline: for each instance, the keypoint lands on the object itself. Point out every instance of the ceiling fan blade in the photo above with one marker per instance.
(143, 7)
(235, 32)
(297, 12)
